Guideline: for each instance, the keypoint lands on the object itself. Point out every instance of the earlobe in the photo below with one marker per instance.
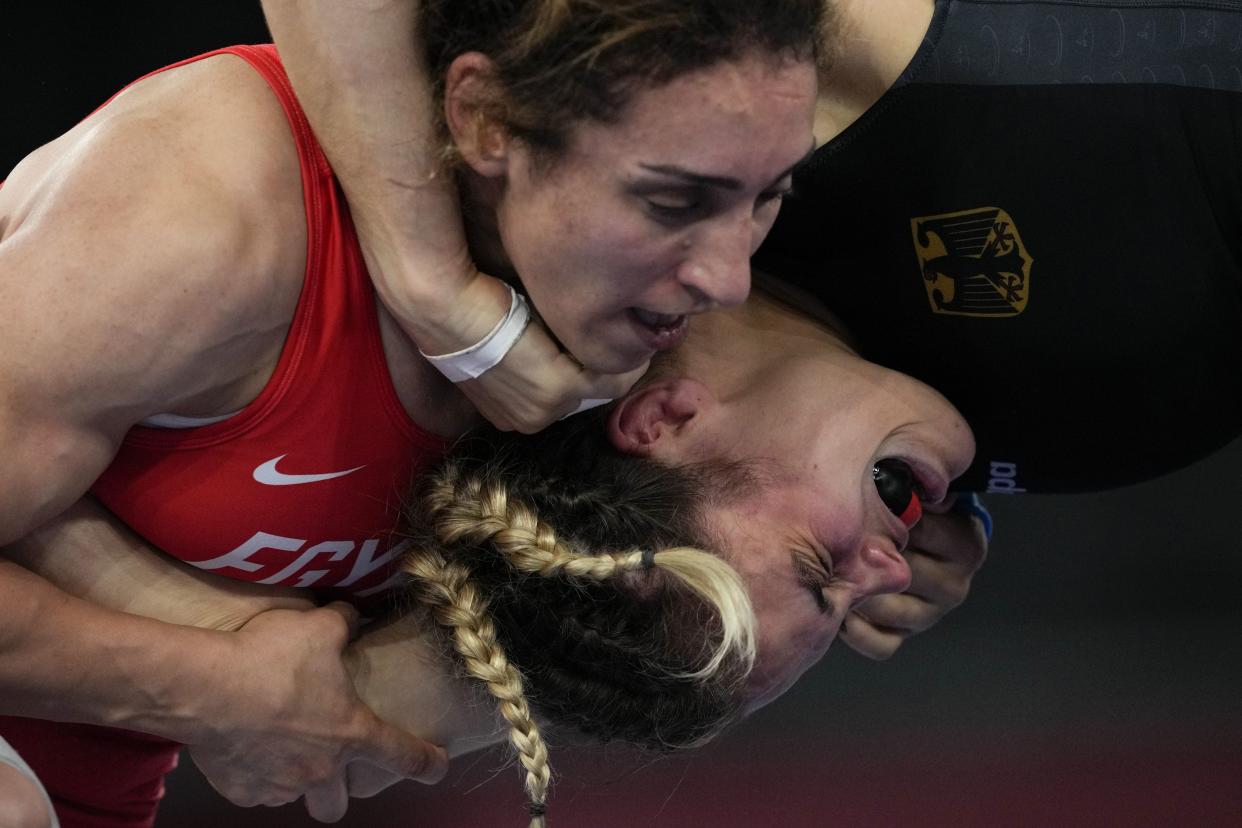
(652, 421)
(481, 141)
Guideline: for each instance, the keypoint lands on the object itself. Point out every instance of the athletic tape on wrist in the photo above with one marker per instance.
(484, 355)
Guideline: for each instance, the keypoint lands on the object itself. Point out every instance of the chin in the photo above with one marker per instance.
(762, 691)
(596, 356)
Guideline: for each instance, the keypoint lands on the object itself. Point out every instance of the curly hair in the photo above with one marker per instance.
(572, 579)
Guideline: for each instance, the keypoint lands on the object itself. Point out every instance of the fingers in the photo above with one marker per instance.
(537, 384)
(398, 752)
(610, 386)
(329, 801)
(881, 624)
(348, 613)
(903, 614)
(940, 585)
(946, 549)
(868, 640)
(951, 531)
(243, 790)
(366, 780)
(956, 539)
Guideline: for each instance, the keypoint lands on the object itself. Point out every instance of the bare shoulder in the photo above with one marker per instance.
(182, 199)
(150, 256)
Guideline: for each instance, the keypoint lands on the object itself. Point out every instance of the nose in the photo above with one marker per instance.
(716, 267)
(876, 568)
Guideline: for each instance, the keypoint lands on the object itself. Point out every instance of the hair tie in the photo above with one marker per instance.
(484, 355)
(536, 809)
(648, 558)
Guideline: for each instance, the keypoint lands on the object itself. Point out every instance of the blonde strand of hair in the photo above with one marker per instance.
(456, 604)
(480, 512)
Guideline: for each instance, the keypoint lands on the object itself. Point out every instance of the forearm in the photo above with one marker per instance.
(359, 75)
(66, 659)
(89, 554)
(74, 648)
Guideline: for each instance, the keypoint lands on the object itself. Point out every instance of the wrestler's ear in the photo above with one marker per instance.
(469, 90)
(661, 419)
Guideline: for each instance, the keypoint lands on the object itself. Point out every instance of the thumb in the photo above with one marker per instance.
(404, 754)
(348, 613)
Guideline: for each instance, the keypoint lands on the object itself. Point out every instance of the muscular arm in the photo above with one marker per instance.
(107, 247)
(144, 267)
(139, 273)
(269, 677)
(358, 74)
(395, 670)
(91, 555)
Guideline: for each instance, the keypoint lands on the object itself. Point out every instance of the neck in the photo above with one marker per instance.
(873, 42)
(732, 349)
(403, 673)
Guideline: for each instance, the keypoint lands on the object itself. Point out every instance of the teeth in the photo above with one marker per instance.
(657, 320)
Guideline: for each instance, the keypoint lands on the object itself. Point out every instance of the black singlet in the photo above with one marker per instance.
(1042, 220)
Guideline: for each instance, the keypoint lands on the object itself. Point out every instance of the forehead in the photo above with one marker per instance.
(793, 632)
(762, 102)
(756, 528)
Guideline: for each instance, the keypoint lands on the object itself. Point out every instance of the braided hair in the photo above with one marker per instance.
(571, 579)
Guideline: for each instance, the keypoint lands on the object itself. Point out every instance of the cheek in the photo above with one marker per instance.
(587, 259)
(764, 219)
(793, 633)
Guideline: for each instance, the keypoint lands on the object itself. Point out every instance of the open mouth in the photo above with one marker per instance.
(659, 331)
(933, 485)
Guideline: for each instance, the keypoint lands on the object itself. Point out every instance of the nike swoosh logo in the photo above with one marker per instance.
(269, 476)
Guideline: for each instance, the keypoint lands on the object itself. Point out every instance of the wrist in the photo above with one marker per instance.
(480, 357)
(458, 313)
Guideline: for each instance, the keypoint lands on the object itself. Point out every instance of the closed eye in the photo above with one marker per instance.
(773, 197)
(812, 576)
(673, 210)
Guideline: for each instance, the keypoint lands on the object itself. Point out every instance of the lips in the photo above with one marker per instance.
(658, 320)
(934, 484)
(659, 331)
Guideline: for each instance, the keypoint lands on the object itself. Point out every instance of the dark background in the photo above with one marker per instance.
(1092, 678)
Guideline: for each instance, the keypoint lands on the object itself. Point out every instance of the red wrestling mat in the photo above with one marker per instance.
(1167, 779)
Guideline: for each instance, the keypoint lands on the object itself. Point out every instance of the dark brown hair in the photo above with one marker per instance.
(572, 575)
(557, 62)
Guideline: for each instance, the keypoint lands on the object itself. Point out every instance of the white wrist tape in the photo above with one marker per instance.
(475, 361)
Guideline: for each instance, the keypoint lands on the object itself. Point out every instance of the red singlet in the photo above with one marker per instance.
(299, 488)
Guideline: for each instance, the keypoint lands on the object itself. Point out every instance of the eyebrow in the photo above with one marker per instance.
(722, 182)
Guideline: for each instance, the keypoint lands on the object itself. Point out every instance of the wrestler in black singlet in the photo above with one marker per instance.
(1042, 220)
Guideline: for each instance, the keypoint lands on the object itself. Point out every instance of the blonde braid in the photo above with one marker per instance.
(457, 605)
(474, 511)
(471, 524)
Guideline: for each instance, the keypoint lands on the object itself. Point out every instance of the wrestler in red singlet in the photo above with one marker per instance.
(299, 488)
